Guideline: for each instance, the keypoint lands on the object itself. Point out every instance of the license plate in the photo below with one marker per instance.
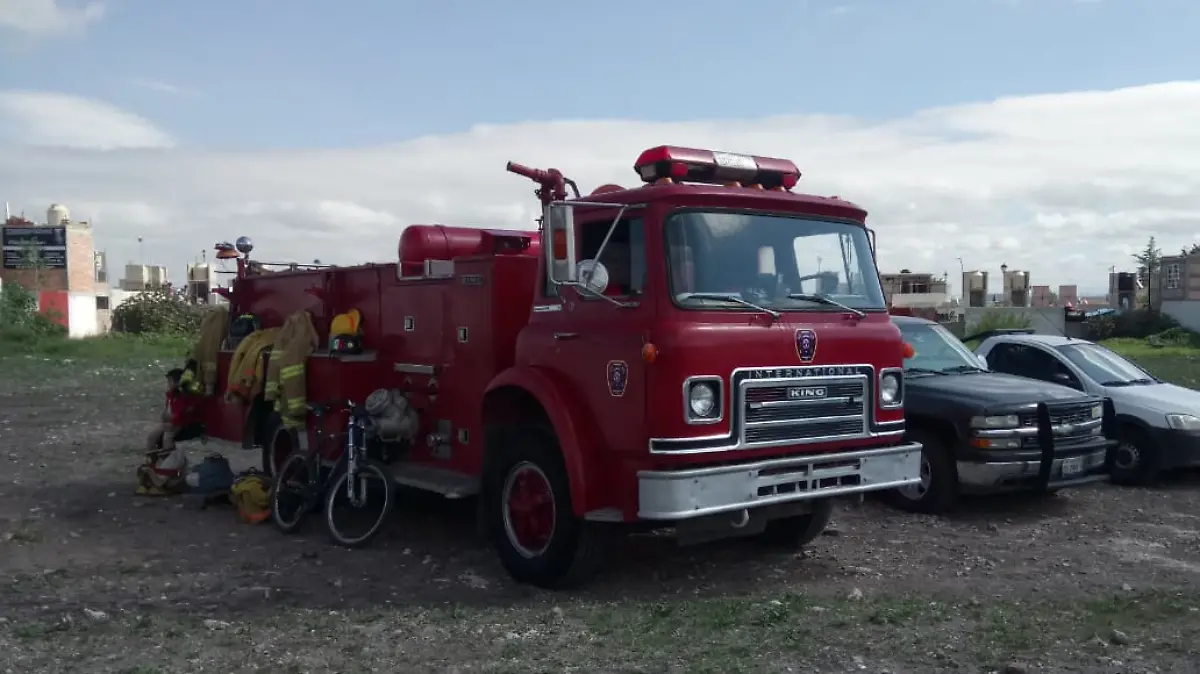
(1072, 466)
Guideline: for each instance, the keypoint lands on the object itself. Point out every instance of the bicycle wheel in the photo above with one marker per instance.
(293, 493)
(353, 524)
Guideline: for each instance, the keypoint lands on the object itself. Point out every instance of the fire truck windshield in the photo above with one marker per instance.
(764, 259)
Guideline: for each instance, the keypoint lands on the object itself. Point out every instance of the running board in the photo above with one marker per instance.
(448, 483)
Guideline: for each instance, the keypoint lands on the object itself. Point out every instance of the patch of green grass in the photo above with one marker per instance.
(1173, 363)
(108, 348)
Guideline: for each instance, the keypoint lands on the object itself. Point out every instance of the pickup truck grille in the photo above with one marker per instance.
(1078, 416)
(804, 411)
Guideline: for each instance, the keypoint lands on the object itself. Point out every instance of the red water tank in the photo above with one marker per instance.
(419, 243)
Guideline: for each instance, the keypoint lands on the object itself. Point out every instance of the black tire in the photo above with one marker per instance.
(938, 490)
(281, 442)
(292, 502)
(574, 550)
(1136, 459)
(337, 490)
(797, 531)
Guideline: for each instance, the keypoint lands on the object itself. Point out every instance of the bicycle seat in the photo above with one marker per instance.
(318, 409)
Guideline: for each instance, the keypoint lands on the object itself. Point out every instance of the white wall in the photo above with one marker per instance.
(1187, 312)
(81, 315)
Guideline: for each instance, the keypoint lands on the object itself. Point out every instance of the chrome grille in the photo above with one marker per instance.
(1076, 415)
(804, 410)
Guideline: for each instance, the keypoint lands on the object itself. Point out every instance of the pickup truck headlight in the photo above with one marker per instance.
(1098, 412)
(996, 421)
(890, 389)
(1183, 422)
(702, 400)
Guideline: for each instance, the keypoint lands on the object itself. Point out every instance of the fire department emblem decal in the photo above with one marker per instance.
(806, 345)
(618, 377)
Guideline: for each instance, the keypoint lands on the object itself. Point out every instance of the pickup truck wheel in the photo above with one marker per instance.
(528, 514)
(938, 488)
(797, 531)
(1135, 458)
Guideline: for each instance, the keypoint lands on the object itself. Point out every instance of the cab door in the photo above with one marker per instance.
(595, 344)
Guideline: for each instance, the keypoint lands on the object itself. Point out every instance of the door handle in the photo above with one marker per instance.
(563, 336)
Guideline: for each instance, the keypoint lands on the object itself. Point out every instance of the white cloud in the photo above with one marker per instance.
(46, 18)
(1063, 185)
(35, 118)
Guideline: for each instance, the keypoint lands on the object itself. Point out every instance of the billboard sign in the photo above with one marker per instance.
(25, 247)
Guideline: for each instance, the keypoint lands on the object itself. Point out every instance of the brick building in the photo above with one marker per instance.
(58, 261)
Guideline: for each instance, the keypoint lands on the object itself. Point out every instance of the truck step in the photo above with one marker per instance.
(448, 483)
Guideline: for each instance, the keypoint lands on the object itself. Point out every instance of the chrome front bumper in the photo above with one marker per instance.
(688, 493)
(1000, 476)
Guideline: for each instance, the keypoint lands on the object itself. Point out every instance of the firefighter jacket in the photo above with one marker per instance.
(246, 376)
(213, 328)
(286, 371)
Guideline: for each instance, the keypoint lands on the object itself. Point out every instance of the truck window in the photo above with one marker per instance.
(766, 258)
(624, 256)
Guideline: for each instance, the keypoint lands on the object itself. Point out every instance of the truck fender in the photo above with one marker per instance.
(532, 394)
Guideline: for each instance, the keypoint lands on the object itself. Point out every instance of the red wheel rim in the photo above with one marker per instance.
(529, 513)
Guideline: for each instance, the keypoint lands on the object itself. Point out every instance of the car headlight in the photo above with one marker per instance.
(889, 388)
(1183, 422)
(1098, 412)
(703, 401)
(996, 421)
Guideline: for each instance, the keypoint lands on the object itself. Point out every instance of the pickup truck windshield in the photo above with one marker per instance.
(770, 261)
(1104, 366)
(936, 350)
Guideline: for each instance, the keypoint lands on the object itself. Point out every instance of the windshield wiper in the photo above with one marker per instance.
(922, 370)
(728, 297)
(964, 369)
(1127, 382)
(825, 299)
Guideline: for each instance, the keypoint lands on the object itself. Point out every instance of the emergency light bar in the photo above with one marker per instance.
(685, 164)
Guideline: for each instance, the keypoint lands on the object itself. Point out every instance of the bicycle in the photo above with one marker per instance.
(303, 480)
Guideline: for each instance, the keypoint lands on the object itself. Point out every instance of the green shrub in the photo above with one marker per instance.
(20, 320)
(1134, 324)
(157, 312)
(1001, 320)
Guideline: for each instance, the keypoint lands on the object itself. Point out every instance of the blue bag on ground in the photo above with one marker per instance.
(211, 477)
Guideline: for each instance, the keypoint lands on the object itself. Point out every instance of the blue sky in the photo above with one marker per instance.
(319, 73)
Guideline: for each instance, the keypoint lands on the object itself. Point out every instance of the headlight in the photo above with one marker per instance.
(1098, 412)
(1183, 422)
(889, 388)
(703, 399)
(998, 421)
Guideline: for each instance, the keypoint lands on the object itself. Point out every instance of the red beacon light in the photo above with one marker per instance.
(684, 164)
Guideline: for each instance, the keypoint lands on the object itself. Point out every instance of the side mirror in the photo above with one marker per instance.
(593, 275)
(560, 256)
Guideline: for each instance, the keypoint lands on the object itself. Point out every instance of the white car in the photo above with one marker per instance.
(1158, 424)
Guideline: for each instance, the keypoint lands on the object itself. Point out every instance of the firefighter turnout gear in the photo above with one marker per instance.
(213, 327)
(246, 376)
(294, 343)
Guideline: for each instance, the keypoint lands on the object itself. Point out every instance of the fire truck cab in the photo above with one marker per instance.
(708, 351)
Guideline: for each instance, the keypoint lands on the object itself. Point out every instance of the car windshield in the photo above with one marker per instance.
(1105, 366)
(936, 350)
(723, 260)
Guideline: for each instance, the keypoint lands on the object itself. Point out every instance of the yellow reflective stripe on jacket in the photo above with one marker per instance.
(296, 405)
(291, 371)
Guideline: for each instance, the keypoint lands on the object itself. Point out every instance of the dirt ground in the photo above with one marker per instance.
(94, 579)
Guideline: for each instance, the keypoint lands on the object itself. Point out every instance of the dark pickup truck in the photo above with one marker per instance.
(987, 432)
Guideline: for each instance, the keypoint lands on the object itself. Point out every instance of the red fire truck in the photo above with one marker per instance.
(708, 351)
